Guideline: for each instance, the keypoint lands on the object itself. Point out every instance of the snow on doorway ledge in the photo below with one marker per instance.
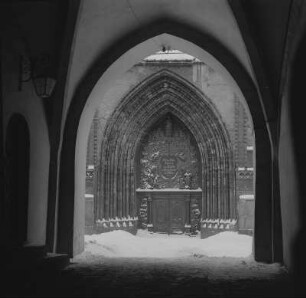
(122, 244)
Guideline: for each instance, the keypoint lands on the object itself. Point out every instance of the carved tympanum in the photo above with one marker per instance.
(168, 157)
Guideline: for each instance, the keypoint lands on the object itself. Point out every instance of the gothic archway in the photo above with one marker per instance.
(165, 93)
(70, 231)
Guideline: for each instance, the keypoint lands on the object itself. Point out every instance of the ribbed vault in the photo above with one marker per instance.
(162, 93)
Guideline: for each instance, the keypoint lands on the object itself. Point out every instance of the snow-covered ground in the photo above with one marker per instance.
(123, 256)
(122, 244)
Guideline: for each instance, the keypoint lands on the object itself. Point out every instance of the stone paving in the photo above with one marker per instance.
(196, 276)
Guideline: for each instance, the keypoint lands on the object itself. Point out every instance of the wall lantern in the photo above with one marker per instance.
(37, 69)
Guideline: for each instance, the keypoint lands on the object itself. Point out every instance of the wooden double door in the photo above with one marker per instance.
(169, 214)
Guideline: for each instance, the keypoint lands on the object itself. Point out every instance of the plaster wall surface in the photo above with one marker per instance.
(289, 189)
(27, 28)
(291, 143)
(26, 103)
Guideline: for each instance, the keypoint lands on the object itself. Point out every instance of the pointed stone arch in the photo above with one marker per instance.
(165, 92)
(117, 59)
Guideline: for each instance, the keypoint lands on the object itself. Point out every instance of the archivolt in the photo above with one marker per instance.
(164, 92)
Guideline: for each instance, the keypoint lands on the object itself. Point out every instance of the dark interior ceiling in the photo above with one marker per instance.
(268, 23)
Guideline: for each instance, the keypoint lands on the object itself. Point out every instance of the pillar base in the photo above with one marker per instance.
(187, 229)
(150, 228)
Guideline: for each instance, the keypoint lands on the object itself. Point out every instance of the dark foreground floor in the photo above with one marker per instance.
(190, 277)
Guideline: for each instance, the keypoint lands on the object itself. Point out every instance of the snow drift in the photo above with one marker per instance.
(146, 245)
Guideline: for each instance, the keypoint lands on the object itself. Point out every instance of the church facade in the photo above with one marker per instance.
(174, 156)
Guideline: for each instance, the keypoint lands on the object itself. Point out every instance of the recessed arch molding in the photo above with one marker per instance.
(164, 93)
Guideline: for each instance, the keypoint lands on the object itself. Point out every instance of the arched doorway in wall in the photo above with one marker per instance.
(70, 210)
(17, 196)
(168, 172)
